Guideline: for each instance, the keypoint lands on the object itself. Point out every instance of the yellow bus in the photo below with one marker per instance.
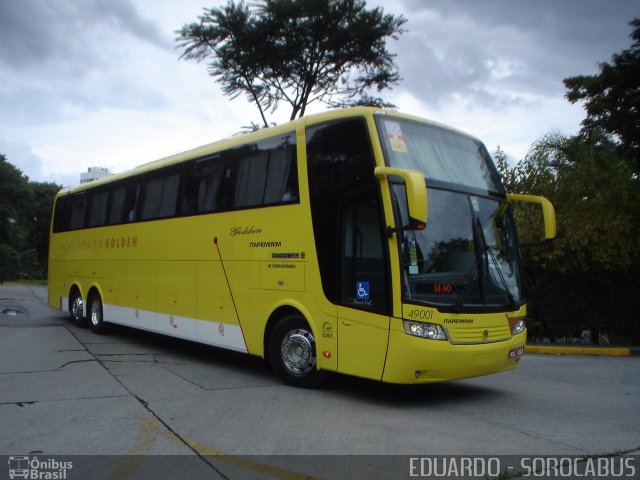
(359, 241)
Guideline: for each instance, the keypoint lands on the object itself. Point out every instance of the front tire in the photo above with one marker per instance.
(95, 313)
(292, 352)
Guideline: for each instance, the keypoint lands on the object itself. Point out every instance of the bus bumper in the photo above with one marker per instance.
(417, 360)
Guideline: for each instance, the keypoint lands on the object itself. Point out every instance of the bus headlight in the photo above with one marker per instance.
(517, 324)
(424, 330)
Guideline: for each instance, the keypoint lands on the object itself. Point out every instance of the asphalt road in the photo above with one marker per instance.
(66, 391)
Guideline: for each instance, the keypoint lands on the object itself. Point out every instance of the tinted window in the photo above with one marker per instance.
(253, 175)
(123, 204)
(346, 214)
(160, 197)
(282, 177)
(98, 210)
(78, 211)
(152, 198)
(117, 205)
(60, 217)
(169, 196)
(251, 179)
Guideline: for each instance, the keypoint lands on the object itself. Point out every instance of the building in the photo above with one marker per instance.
(94, 173)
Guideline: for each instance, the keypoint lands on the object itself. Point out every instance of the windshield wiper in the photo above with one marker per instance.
(458, 305)
(480, 246)
(482, 249)
(505, 285)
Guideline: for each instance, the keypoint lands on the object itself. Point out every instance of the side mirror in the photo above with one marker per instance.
(416, 195)
(548, 213)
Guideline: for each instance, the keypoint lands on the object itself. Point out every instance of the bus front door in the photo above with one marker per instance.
(363, 311)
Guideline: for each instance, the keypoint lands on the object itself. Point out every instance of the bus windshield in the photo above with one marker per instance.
(467, 258)
(442, 155)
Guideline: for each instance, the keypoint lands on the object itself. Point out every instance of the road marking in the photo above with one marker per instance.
(243, 463)
(150, 429)
(570, 350)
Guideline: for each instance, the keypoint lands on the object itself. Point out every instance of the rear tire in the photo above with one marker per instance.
(76, 309)
(95, 314)
(292, 352)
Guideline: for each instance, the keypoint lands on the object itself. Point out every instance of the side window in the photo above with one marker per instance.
(123, 204)
(167, 206)
(266, 178)
(78, 211)
(117, 205)
(266, 174)
(362, 259)
(61, 215)
(282, 177)
(98, 209)
(347, 215)
(188, 196)
(152, 198)
(251, 180)
(256, 174)
(160, 197)
(210, 175)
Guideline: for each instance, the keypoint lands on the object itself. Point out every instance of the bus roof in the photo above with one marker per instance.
(243, 138)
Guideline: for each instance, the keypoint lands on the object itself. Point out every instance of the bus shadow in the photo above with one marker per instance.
(178, 348)
(348, 387)
(431, 394)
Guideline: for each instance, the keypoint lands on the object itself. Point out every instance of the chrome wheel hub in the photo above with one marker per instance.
(95, 313)
(76, 308)
(298, 351)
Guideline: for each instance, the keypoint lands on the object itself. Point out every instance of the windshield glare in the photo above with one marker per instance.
(442, 155)
(467, 256)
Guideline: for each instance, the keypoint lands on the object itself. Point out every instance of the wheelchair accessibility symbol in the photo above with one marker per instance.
(362, 291)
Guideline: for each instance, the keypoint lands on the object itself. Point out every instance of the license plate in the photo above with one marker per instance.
(516, 352)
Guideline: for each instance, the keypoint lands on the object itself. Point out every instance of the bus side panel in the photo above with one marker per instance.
(176, 298)
(217, 319)
(323, 325)
(58, 286)
(72, 262)
(132, 286)
(362, 342)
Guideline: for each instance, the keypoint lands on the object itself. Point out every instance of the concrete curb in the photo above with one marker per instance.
(582, 350)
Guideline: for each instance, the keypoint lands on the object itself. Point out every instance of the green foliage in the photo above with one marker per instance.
(584, 279)
(37, 220)
(14, 192)
(364, 101)
(595, 194)
(25, 216)
(9, 262)
(294, 51)
(612, 98)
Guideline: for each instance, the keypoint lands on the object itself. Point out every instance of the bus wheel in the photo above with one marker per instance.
(96, 321)
(75, 308)
(292, 352)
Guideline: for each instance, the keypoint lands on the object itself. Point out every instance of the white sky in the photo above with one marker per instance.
(98, 82)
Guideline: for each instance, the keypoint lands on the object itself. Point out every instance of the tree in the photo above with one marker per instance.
(586, 278)
(14, 193)
(25, 217)
(596, 197)
(294, 51)
(36, 219)
(9, 262)
(612, 98)
(364, 101)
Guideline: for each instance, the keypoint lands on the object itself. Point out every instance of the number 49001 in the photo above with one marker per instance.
(419, 314)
